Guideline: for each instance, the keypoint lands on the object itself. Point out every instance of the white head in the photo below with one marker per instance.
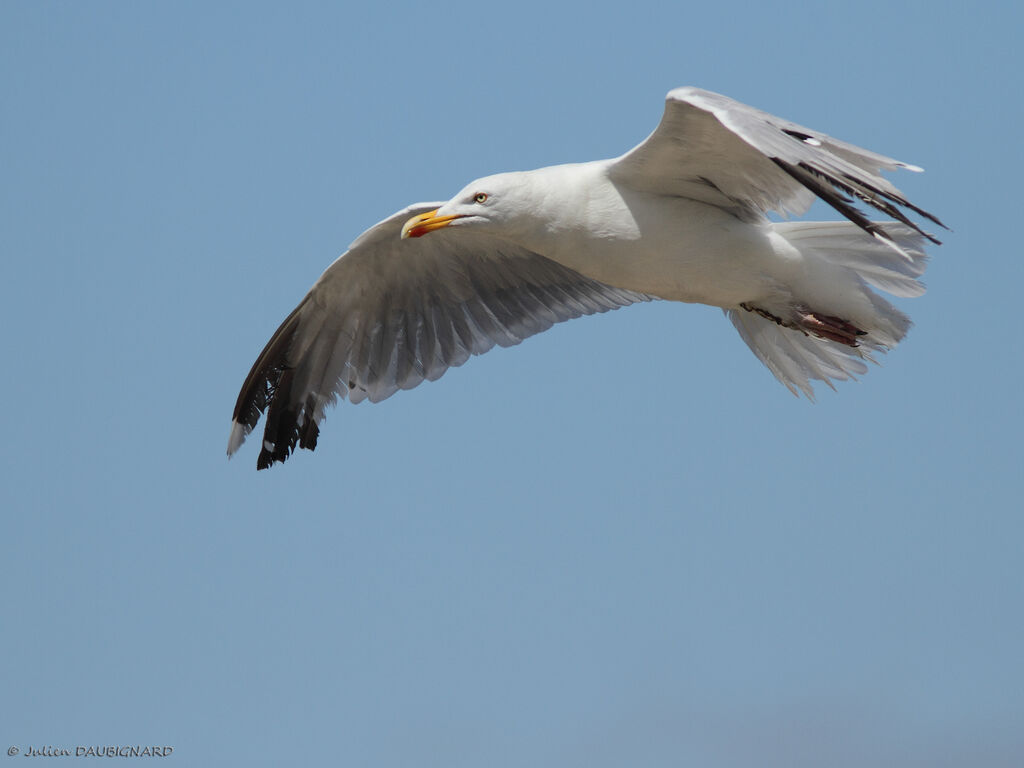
(504, 203)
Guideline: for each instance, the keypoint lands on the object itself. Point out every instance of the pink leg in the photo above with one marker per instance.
(832, 328)
(824, 326)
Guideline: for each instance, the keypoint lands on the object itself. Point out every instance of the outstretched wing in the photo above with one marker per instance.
(390, 313)
(711, 148)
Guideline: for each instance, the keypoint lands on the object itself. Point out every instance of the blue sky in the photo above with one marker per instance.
(620, 543)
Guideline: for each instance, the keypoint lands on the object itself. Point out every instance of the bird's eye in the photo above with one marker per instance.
(480, 197)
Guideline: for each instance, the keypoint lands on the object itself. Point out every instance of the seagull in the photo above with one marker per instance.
(680, 217)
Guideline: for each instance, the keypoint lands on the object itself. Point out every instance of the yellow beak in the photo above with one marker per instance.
(418, 226)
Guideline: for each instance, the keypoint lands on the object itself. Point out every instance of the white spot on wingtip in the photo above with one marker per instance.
(236, 438)
(914, 168)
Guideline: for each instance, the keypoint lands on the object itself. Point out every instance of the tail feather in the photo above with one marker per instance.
(854, 262)
(875, 261)
(795, 359)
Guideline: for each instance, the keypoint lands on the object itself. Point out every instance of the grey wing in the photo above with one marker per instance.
(711, 148)
(391, 313)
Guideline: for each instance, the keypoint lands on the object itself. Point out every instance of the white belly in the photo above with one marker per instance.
(676, 249)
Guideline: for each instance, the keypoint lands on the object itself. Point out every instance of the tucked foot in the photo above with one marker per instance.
(824, 326)
(832, 328)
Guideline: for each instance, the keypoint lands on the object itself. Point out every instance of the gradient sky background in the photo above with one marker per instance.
(620, 543)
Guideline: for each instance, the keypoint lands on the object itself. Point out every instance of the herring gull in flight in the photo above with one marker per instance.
(680, 217)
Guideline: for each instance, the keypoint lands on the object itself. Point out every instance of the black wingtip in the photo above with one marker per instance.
(831, 188)
(267, 389)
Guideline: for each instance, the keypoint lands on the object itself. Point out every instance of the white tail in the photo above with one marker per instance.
(840, 259)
